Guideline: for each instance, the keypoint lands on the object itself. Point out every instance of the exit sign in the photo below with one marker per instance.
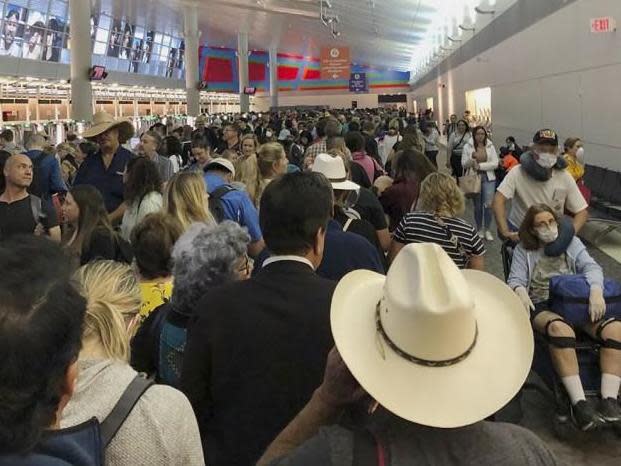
(604, 24)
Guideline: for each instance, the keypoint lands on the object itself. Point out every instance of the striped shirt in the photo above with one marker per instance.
(422, 227)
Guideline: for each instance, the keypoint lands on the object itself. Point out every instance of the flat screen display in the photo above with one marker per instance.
(98, 73)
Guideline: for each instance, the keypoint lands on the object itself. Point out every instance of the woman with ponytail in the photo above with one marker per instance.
(161, 428)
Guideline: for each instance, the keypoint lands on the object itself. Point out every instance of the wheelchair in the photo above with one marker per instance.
(587, 352)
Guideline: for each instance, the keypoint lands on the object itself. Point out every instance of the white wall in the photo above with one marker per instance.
(553, 74)
(334, 101)
(328, 98)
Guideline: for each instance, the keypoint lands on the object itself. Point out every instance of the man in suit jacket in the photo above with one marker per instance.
(257, 349)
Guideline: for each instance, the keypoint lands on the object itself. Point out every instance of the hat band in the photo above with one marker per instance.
(422, 362)
(337, 180)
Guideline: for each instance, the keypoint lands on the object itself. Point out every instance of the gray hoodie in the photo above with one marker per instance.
(578, 259)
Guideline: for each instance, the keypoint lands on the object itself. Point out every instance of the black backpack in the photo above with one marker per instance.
(84, 444)
(35, 186)
(215, 201)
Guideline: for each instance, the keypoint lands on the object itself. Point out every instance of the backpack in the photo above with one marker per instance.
(215, 201)
(85, 443)
(351, 215)
(36, 206)
(35, 186)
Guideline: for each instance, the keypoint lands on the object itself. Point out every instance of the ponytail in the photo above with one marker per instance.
(107, 324)
(113, 295)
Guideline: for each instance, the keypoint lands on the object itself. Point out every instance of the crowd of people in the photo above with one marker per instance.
(287, 288)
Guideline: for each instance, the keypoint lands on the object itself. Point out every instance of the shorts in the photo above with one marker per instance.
(539, 308)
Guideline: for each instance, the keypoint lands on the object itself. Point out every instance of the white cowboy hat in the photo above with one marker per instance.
(432, 344)
(333, 168)
(103, 122)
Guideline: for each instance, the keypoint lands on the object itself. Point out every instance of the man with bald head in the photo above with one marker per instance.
(48, 180)
(21, 212)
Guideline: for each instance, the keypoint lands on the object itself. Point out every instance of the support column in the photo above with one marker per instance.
(242, 59)
(81, 91)
(274, 78)
(192, 72)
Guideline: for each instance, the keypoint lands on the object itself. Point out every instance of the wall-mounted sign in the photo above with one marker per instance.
(335, 63)
(358, 82)
(604, 24)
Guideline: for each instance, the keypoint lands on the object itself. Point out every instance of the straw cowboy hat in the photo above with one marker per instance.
(432, 344)
(103, 122)
(333, 168)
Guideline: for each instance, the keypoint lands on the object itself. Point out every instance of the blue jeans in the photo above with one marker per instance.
(482, 203)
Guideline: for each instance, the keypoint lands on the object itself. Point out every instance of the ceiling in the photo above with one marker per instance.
(396, 34)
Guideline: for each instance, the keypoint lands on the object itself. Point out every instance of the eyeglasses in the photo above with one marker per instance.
(245, 267)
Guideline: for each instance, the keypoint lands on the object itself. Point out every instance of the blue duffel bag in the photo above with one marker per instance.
(569, 298)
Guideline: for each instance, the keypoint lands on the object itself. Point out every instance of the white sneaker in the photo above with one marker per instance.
(481, 234)
(489, 236)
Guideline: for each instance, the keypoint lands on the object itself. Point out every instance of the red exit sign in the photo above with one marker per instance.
(605, 24)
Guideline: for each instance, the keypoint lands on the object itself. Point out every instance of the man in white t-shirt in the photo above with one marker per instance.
(540, 178)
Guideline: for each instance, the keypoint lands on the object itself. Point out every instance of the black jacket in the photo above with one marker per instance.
(254, 356)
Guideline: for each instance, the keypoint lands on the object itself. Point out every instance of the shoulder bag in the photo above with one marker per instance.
(470, 182)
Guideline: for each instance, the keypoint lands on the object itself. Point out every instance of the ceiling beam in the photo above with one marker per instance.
(269, 7)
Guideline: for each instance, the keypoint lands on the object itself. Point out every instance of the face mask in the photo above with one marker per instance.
(580, 152)
(547, 160)
(268, 134)
(547, 235)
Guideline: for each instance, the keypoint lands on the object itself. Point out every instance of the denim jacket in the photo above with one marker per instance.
(578, 259)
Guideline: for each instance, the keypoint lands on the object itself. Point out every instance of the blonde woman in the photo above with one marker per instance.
(271, 162)
(161, 427)
(441, 202)
(246, 169)
(186, 199)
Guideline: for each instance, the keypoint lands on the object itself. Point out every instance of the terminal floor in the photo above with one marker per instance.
(599, 448)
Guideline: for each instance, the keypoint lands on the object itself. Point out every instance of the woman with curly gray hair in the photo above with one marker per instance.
(204, 257)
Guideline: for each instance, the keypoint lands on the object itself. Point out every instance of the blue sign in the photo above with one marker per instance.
(358, 82)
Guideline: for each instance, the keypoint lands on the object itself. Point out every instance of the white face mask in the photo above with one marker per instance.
(547, 160)
(580, 152)
(547, 234)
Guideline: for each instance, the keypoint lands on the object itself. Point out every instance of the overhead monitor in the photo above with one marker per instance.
(97, 73)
